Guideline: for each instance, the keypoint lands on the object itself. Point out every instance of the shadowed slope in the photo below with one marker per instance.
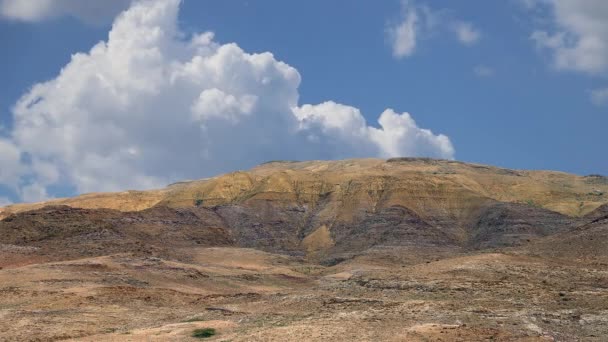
(587, 242)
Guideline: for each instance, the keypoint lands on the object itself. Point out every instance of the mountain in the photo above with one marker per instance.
(334, 209)
(316, 250)
(418, 183)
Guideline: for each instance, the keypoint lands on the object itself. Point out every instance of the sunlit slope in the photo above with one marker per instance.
(430, 188)
(124, 201)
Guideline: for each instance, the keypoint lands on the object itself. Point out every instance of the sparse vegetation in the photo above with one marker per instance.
(204, 333)
(198, 199)
(532, 203)
(596, 179)
(306, 269)
(333, 261)
(194, 319)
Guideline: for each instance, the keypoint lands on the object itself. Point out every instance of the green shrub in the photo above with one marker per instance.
(532, 203)
(203, 333)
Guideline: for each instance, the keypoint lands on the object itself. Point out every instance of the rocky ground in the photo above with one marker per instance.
(251, 295)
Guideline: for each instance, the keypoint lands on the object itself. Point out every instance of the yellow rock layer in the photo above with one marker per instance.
(425, 186)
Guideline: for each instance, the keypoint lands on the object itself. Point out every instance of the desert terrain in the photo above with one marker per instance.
(402, 249)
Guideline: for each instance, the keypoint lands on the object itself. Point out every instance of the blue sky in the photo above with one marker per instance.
(503, 97)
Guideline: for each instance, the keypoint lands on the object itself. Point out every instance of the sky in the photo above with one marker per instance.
(119, 94)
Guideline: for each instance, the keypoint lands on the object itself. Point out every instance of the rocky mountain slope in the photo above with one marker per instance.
(330, 210)
(399, 249)
(421, 184)
(587, 241)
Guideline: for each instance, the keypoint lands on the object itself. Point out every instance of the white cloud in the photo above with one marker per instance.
(399, 135)
(599, 97)
(403, 35)
(483, 71)
(341, 130)
(215, 103)
(149, 107)
(577, 36)
(466, 33)
(418, 22)
(10, 163)
(38, 10)
(34, 192)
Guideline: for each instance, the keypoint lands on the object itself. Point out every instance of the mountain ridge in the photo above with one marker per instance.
(568, 194)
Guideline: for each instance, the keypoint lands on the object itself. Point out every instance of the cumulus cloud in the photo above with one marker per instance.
(577, 36)
(37, 10)
(599, 97)
(337, 129)
(10, 163)
(466, 33)
(151, 106)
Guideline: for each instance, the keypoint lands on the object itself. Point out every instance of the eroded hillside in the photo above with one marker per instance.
(417, 183)
(332, 209)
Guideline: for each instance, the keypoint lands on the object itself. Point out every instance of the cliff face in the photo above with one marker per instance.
(336, 209)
